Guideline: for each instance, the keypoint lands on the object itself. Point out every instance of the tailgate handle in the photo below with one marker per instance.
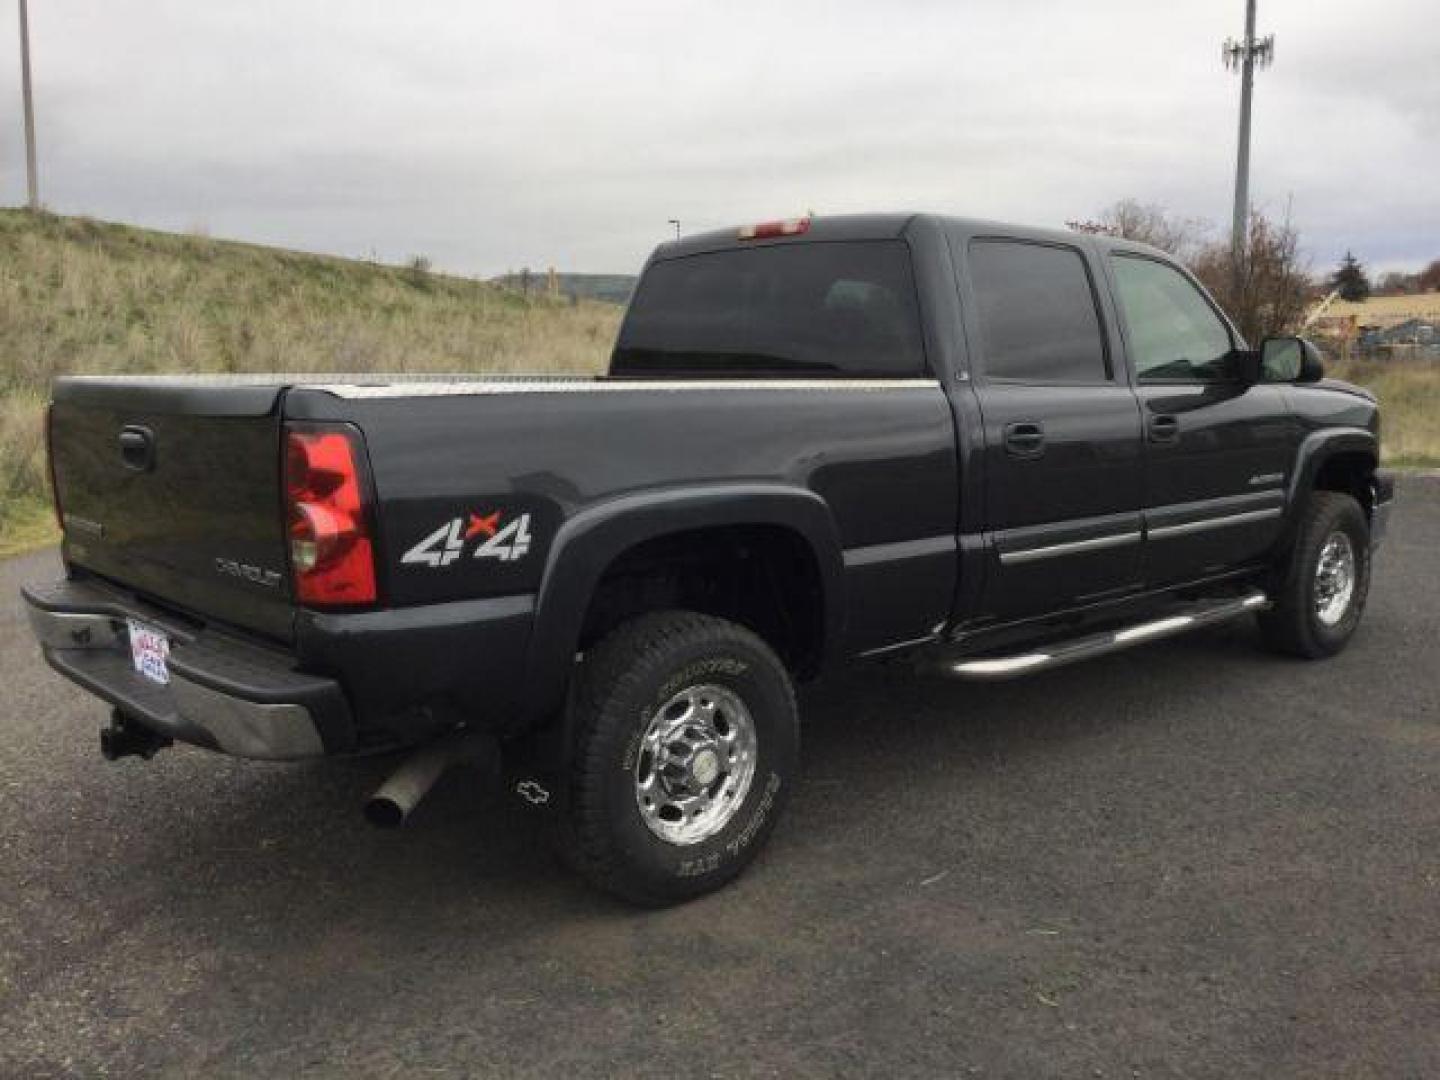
(137, 448)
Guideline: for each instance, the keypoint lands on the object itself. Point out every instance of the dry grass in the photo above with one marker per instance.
(1409, 393)
(1389, 310)
(84, 296)
(28, 524)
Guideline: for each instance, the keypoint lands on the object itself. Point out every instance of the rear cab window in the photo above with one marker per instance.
(1038, 317)
(823, 309)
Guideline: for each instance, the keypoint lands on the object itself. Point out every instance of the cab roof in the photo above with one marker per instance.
(889, 226)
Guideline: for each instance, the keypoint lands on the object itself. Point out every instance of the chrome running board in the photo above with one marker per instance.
(1186, 617)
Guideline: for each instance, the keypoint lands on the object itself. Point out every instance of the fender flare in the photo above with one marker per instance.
(587, 543)
(1315, 449)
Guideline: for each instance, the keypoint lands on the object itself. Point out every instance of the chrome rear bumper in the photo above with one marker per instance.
(223, 693)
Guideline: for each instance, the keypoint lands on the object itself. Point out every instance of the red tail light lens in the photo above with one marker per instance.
(331, 551)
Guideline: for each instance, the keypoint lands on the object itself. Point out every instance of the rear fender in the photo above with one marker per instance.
(589, 542)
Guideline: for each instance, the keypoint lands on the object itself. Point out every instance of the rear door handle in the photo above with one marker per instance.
(1025, 439)
(1164, 428)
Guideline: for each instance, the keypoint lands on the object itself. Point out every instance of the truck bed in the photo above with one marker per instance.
(878, 453)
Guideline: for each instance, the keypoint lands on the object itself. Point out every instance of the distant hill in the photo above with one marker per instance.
(609, 288)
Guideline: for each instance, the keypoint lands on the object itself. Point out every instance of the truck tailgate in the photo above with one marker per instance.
(173, 489)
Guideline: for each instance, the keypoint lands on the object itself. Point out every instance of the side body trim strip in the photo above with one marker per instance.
(904, 549)
(1157, 532)
(1073, 547)
(1225, 522)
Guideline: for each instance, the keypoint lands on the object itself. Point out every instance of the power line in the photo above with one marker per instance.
(1245, 55)
(31, 176)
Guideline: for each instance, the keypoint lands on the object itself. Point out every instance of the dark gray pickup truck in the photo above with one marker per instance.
(991, 449)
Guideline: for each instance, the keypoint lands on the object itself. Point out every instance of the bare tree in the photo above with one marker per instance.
(1398, 283)
(1269, 290)
(1264, 287)
(1147, 223)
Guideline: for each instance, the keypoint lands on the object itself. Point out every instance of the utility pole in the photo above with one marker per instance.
(31, 177)
(676, 223)
(1245, 55)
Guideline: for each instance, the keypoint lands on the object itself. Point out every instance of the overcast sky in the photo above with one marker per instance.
(491, 136)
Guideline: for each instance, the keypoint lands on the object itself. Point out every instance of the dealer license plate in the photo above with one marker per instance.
(149, 650)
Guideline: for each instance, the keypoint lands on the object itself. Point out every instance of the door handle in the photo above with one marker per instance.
(1025, 439)
(1164, 428)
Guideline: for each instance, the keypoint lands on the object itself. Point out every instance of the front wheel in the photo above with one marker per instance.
(684, 738)
(1322, 593)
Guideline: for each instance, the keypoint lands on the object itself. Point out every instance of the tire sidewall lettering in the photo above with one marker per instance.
(711, 861)
(757, 819)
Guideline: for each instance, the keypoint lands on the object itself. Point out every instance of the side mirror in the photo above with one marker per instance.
(1312, 365)
(1290, 359)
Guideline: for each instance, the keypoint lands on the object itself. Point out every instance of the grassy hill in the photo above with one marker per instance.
(78, 295)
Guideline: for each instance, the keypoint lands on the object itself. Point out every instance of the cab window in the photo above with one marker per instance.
(819, 310)
(1038, 321)
(1173, 333)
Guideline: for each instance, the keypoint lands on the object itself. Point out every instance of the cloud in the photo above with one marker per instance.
(490, 137)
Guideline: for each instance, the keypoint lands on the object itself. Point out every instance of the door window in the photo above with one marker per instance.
(1037, 313)
(1174, 333)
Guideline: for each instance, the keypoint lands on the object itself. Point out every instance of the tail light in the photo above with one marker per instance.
(767, 229)
(331, 549)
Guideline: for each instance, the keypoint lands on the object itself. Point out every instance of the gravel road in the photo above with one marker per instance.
(1192, 859)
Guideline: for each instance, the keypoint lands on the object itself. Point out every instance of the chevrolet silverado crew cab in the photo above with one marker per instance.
(992, 449)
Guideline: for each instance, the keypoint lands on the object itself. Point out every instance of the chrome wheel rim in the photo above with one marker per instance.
(1334, 579)
(695, 765)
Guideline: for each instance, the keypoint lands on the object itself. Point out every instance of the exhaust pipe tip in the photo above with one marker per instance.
(385, 813)
(393, 803)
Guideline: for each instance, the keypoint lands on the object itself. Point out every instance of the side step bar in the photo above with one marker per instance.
(1190, 616)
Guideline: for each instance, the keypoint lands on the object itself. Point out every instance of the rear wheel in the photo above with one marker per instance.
(1322, 594)
(684, 742)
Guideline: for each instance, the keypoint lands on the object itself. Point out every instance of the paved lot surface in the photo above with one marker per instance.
(1192, 860)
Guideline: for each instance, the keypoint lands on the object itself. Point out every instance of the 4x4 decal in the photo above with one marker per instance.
(508, 541)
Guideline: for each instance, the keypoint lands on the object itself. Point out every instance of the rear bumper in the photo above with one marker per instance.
(224, 693)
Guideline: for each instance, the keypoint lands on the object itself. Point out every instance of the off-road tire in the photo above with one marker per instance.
(623, 681)
(1292, 626)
